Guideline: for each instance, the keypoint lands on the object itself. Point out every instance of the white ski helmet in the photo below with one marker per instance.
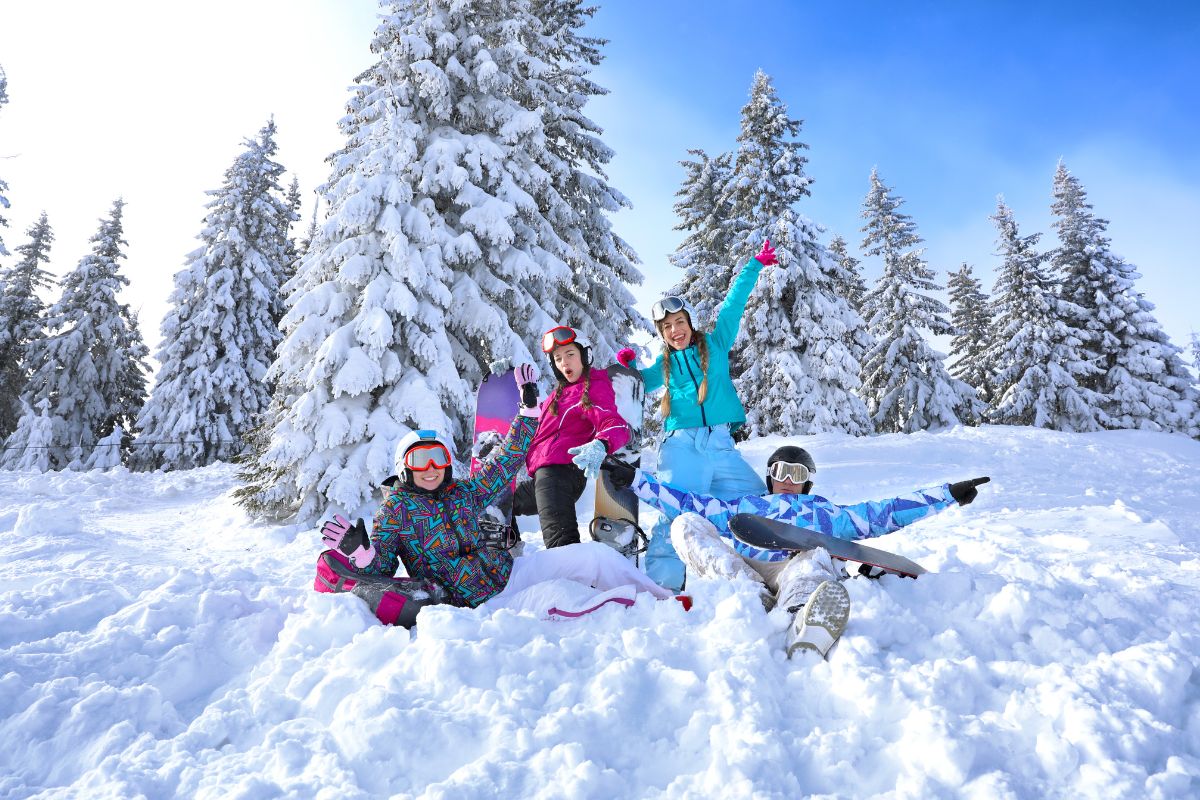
(408, 442)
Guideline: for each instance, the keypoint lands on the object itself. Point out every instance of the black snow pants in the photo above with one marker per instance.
(552, 495)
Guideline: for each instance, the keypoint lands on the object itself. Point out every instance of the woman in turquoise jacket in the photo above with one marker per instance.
(700, 409)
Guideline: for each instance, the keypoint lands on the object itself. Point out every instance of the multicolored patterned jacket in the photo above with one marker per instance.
(810, 511)
(436, 534)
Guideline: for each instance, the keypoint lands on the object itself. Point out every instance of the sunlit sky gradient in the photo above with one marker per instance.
(955, 103)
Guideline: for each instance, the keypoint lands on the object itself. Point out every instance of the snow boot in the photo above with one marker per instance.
(818, 625)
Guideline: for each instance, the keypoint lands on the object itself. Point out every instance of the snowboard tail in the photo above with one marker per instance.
(771, 534)
(496, 403)
(615, 520)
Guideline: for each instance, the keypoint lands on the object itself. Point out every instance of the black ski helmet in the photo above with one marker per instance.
(580, 340)
(792, 455)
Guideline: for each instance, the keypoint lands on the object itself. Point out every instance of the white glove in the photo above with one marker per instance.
(588, 457)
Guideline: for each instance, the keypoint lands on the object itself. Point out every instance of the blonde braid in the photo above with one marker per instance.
(664, 405)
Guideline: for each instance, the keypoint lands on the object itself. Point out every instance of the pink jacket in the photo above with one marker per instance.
(572, 425)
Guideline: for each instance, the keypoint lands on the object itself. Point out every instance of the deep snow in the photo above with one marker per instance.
(155, 643)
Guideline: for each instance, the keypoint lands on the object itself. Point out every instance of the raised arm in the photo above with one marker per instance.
(729, 318)
(499, 470)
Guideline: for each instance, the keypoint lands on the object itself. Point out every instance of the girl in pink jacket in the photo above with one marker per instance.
(579, 426)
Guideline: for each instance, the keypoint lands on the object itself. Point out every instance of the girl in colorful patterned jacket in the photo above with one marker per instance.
(700, 408)
(579, 426)
(429, 522)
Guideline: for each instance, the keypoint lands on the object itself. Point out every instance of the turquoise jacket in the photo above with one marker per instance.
(721, 404)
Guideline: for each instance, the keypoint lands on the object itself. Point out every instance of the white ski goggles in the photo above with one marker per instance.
(795, 473)
(668, 305)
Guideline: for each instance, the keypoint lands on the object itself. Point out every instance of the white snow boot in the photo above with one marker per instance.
(818, 625)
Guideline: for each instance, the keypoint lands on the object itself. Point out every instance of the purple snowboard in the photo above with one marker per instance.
(496, 404)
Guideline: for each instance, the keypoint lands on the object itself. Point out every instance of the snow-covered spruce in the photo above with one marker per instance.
(22, 319)
(706, 254)
(91, 365)
(1032, 357)
(794, 369)
(904, 380)
(220, 335)
(971, 316)
(465, 220)
(3, 185)
(1141, 378)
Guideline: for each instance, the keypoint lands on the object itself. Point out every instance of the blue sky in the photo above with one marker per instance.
(955, 103)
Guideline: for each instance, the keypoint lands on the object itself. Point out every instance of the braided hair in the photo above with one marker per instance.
(586, 402)
(701, 350)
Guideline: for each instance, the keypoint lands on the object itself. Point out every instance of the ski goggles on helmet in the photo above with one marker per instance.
(668, 305)
(786, 471)
(425, 455)
(557, 337)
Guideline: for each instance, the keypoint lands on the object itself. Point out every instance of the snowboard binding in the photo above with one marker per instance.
(626, 537)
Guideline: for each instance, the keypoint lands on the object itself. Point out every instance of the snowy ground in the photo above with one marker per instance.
(154, 643)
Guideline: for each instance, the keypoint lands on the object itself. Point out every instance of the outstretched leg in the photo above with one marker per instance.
(809, 587)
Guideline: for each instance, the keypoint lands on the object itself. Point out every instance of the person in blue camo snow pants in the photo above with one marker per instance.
(700, 409)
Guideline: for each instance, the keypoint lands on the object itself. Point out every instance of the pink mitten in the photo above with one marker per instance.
(766, 256)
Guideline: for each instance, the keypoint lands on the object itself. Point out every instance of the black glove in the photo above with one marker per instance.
(529, 395)
(964, 491)
(622, 474)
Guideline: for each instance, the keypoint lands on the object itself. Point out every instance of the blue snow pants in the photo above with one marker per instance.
(700, 460)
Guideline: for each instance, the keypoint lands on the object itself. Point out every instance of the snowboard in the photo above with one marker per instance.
(496, 403)
(771, 534)
(615, 515)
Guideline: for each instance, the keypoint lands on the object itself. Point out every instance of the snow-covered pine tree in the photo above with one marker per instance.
(706, 253)
(310, 234)
(91, 366)
(798, 374)
(3, 185)
(971, 316)
(448, 243)
(905, 380)
(1032, 357)
(848, 283)
(1141, 376)
(220, 335)
(34, 439)
(22, 319)
(1196, 358)
(292, 250)
(557, 87)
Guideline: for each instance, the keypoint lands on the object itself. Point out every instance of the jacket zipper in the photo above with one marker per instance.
(683, 358)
